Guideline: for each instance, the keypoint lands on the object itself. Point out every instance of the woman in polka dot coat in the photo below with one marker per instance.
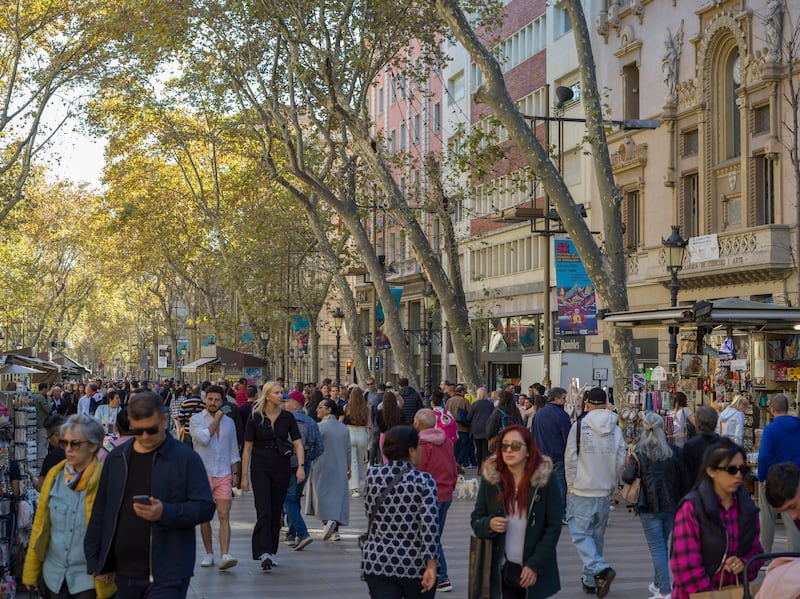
(519, 507)
(399, 557)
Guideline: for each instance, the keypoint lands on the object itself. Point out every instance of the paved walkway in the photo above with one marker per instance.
(328, 569)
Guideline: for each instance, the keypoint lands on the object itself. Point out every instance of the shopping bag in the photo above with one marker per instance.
(480, 568)
(730, 592)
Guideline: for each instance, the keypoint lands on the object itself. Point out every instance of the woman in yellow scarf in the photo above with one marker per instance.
(56, 562)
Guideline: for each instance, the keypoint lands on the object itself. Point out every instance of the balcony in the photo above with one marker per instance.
(751, 255)
(403, 269)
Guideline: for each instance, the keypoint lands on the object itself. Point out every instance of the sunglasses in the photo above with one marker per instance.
(72, 444)
(513, 446)
(150, 430)
(732, 470)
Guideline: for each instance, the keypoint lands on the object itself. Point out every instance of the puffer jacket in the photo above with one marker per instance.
(664, 482)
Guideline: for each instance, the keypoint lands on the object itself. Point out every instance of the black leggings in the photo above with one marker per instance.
(65, 594)
(270, 483)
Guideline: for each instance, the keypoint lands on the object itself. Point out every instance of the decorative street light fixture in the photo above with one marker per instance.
(674, 249)
(429, 300)
(338, 318)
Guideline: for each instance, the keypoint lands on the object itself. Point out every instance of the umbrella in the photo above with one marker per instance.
(18, 369)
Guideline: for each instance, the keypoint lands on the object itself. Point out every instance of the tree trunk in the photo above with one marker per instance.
(607, 272)
(452, 300)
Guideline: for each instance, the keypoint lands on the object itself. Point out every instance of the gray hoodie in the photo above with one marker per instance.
(595, 471)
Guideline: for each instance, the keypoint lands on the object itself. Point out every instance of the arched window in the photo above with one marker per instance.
(731, 104)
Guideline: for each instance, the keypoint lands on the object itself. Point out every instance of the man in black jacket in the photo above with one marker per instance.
(412, 401)
(706, 418)
(153, 492)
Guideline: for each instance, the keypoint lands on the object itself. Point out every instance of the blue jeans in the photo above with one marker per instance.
(657, 527)
(291, 505)
(587, 518)
(142, 588)
(441, 566)
(561, 477)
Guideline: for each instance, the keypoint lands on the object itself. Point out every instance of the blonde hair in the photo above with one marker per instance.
(738, 401)
(260, 405)
(480, 393)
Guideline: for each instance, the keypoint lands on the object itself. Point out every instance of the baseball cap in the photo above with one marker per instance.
(596, 396)
(297, 396)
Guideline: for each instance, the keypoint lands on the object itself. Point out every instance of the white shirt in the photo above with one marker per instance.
(84, 403)
(515, 536)
(219, 451)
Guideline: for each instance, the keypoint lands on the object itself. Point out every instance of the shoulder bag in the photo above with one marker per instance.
(362, 538)
(630, 491)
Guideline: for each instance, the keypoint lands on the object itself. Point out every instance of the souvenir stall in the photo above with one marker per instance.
(18, 444)
(727, 347)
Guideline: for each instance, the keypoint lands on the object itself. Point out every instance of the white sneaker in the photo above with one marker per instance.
(227, 561)
(653, 588)
(658, 595)
(328, 530)
(208, 560)
(266, 561)
(274, 560)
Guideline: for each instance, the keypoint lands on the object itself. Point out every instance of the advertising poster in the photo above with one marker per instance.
(577, 308)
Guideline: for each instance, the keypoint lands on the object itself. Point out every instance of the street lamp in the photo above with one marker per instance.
(338, 317)
(674, 249)
(429, 300)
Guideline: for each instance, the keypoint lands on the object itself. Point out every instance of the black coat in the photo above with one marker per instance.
(693, 453)
(663, 482)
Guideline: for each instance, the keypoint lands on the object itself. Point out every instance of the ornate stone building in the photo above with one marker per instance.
(717, 76)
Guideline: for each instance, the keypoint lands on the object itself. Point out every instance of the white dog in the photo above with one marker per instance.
(466, 488)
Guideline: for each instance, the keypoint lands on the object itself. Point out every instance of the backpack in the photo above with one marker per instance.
(507, 419)
(311, 450)
(446, 422)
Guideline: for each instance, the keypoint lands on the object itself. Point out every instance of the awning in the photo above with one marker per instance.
(193, 366)
(745, 314)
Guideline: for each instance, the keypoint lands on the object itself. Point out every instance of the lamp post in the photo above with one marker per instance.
(429, 299)
(338, 317)
(674, 249)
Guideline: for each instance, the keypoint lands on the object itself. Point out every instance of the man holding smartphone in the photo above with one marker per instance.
(153, 492)
(214, 437)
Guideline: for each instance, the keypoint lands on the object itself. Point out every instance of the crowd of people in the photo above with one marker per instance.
(130, 470)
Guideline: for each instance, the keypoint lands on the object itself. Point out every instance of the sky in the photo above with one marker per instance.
(77, 157)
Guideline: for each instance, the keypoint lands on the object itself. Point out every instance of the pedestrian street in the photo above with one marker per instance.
(329, 569)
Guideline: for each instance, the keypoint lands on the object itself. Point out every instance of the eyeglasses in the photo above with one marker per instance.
(72, 444)
(513, 446)
(150, 430)
(732, 470)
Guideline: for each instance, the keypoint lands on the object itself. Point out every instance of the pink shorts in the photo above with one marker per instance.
(221, 487)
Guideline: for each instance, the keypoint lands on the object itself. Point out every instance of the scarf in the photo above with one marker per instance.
(77, 481)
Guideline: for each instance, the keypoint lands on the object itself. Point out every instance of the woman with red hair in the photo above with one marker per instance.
(519, 508)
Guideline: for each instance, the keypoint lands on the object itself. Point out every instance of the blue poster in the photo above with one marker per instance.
(577, 308)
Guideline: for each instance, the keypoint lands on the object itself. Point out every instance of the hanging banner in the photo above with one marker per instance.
(300, 328)
(577, 308)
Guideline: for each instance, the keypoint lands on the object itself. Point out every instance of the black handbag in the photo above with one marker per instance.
(480, 568)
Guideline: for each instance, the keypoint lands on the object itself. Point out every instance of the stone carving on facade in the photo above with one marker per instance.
(629, 152)
(687, 93)
(601, 25)
(637, 9)
(613, 19)
(773, 29)
(670, 60)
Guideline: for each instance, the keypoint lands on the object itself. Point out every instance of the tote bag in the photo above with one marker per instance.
(480, 568)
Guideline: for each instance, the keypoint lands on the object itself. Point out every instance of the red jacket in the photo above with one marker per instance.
(437, 458)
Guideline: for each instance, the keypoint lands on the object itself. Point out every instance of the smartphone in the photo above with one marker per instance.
(141, 499)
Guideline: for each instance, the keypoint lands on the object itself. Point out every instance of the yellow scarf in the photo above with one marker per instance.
(77, 481)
